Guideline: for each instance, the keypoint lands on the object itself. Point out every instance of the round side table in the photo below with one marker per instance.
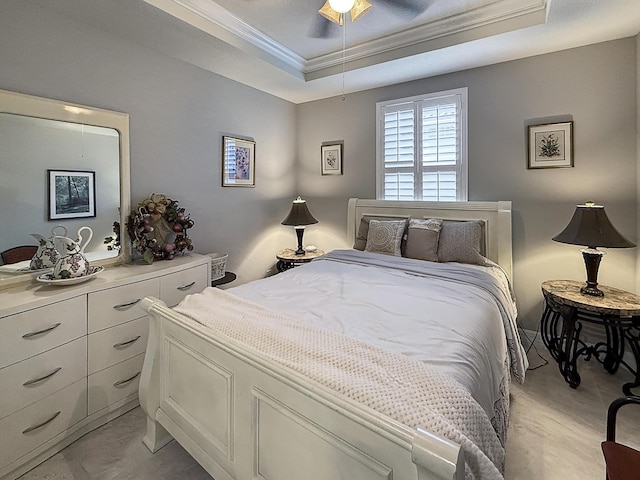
(228, 278)
(287, 258)
(618, 311)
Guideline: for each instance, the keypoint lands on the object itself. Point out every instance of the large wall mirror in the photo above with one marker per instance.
(63, 166)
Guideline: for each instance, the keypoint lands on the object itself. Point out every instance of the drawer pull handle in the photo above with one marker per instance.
(124, 382)
(128, 342)
(186, 287)
(40, 379)
(122, 306)
(40, 332)
(40, 425)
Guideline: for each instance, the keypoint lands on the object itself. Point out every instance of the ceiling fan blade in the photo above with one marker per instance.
(407, 7)
(323, 28)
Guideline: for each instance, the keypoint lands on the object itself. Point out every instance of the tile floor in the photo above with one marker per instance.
(554, 434)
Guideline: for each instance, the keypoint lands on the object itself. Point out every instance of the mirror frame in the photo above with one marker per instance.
(40, 107)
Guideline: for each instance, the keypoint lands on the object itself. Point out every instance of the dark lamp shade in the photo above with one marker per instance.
(591, 227)
(299, 214)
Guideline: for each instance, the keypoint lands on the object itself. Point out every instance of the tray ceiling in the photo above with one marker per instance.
(270, 44)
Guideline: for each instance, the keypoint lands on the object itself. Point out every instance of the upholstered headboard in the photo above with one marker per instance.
(496, 216)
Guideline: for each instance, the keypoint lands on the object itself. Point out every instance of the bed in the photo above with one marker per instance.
(358, 365)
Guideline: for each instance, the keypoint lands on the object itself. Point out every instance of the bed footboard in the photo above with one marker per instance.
(243, 417)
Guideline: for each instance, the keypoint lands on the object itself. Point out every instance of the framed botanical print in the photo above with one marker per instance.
(238, 162)
(331, 159)
(550, 145)
(72, 194)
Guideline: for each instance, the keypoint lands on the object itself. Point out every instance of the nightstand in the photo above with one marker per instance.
(566, 309)
(287, 258)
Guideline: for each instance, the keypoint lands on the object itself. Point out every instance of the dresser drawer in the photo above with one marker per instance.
(31, 332)
(114, 345)
(114, 383)
(174, 287)
(120, 304)
(33, 379)
(41, 421)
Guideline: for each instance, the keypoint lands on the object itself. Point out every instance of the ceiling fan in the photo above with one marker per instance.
(333, 12)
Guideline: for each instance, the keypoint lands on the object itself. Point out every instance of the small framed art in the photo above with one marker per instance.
(72, 194)
(550, 145)
(331, 158)
(238, 162)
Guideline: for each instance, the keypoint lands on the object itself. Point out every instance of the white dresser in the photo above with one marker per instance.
(71, 356)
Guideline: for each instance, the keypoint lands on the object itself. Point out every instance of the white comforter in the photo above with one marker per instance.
(457, 321)
(461, 319)
(409, 391)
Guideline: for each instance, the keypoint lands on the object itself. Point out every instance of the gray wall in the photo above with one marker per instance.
(178, 114)
(594, 86)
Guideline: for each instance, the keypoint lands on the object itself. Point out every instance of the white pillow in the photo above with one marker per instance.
(385, 236)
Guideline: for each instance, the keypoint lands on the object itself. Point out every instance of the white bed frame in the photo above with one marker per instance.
(243, 417)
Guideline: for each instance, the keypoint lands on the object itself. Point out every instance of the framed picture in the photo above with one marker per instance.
(72, 194)
(550, 145)
(238, 162)
(331, 158)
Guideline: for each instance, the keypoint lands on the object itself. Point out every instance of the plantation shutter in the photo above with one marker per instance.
(422, 148)
(399, 153)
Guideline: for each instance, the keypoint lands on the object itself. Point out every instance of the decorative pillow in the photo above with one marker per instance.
(422, 239)
(461, 242)
(363, 229)
(385, 236)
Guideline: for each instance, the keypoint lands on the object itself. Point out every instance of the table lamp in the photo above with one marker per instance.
(298, 218)
(590, 226)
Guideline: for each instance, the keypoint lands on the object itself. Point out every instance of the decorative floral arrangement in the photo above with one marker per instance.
(158, 228)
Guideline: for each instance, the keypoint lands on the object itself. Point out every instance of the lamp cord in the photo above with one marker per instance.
(532, 344)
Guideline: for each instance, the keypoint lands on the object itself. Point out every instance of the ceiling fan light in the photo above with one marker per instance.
(341, 6)
(360, 7)
(330, 14)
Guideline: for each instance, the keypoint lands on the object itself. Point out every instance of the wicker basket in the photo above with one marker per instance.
(218, 265)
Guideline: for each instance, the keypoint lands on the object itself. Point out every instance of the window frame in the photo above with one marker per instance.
(462, 165)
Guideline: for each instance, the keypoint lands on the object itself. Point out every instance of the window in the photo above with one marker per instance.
(422, 147)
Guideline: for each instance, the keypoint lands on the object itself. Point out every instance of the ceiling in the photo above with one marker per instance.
(271, 45)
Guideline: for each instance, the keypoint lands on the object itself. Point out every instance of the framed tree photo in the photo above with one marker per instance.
(72, 194)
(550, 145)
(238, 162)
(331, 158)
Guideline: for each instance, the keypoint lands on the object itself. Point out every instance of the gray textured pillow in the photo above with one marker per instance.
(422, 239)
(385, 236)
(363, 229)
(461, 242)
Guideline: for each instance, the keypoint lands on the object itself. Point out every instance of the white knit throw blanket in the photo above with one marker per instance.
(408, 391)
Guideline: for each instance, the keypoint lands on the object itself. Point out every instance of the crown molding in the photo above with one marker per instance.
(211, 18)
(499, 16)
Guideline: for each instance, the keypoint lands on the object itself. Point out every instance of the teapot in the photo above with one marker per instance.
(46, 256)
(72, 262)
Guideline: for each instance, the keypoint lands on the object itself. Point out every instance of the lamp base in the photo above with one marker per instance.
(591, 290)
(592, 257)
(299, 234)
